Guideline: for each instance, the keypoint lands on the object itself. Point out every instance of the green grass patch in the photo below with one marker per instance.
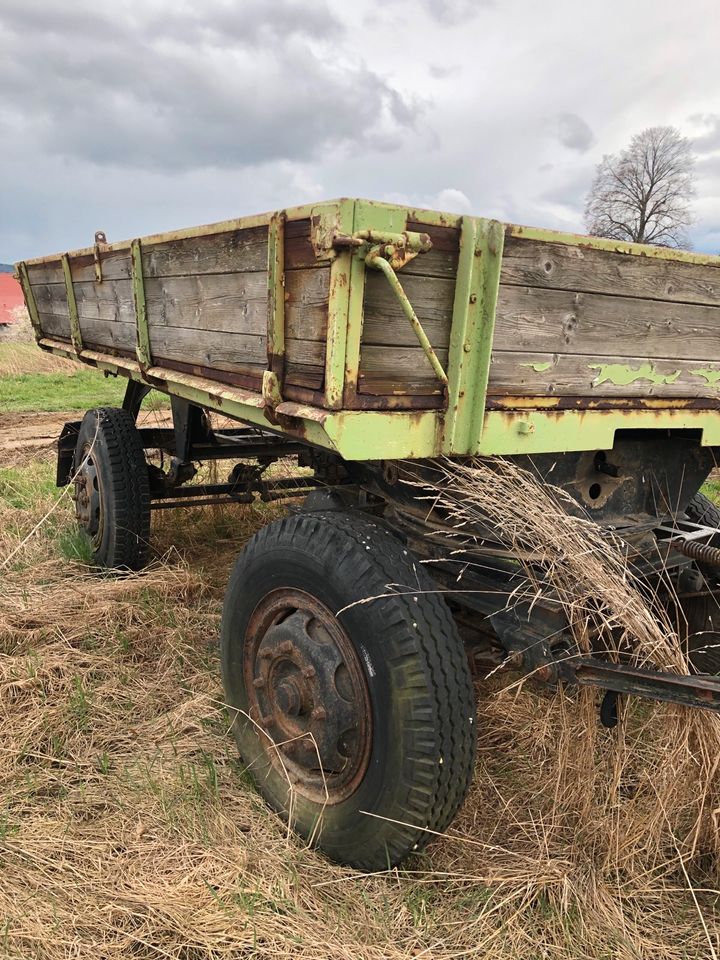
(24, 487)
(50, 392)
(711, 489)
(81, 389)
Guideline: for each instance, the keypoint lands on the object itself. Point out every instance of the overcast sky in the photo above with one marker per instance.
(144, 115)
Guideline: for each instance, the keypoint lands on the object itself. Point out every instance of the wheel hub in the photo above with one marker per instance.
(88, 499)
(308, 692)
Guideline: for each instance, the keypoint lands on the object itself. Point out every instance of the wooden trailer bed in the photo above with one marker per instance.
(540, 341)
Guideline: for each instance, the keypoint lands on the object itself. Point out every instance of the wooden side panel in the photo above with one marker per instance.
(514, 373)
(307, 291)
(206, 299)
(559, 266)
(391, 359)
(52, 310)
(574, 321)
(563, 321)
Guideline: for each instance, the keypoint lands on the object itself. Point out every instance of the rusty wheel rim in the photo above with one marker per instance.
(308, 694)
(88, 498)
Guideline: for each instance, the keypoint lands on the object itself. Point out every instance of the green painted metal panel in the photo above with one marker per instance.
(339, 312)
(471, 336)
(30, 301)
(75, 334)
(560, 431)
(141, 319)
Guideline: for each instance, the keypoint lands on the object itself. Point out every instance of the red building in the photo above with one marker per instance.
(10, 298)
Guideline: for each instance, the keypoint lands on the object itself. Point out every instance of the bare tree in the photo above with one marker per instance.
(643, 193)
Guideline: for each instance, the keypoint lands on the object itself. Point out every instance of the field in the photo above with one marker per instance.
(129, 829)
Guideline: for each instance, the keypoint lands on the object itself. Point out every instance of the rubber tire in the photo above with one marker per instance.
(423, 711)
(702, 510)
(119, 458)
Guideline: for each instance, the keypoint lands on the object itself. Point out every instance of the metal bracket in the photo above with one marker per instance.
(272, 377)
(100, 241)
(399, 248)
(30, 301)
(144, 355)
(75, 334)
(376, 257)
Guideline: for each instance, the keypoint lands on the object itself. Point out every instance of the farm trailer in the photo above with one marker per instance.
(364, 341)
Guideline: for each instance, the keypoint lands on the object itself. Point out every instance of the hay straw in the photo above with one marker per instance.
(128, 829)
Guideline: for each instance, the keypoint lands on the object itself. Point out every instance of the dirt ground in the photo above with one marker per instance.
(24, 436)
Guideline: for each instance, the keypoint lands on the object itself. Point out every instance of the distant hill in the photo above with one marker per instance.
(7, 268)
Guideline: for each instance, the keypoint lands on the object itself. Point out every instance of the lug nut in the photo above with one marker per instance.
(318, 713)
(308, 746)
(286, 646)
(265, 654)
(308, 673)
(258, 683)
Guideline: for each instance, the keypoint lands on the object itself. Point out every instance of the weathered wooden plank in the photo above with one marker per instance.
(54, 325)
(306, 303)
(116, 266)
(52, 301)
(110, 333)
(207, 348)
(382, 385)
(384, 321)
(560, 321)
(110, 300)
(546, 374)
(305, 352)
(237, 251)
(303, 375)
(404, 363)
(442, 259)
(537, 264)
(299, 250)
(234, 251)
(100, 333)
(232, 302)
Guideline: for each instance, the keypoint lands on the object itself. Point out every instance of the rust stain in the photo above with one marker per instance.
(602, 403)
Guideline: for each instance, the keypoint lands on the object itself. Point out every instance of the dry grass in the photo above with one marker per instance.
(129, 830)
(17, 359)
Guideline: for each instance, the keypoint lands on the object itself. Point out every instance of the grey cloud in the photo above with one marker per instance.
(175, 88)
(453, 12)
(710, 140)
(571, 189)
(573, 132)
(708, 168)
(439, 72)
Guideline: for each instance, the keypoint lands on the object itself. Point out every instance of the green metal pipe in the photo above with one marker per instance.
(375, 259)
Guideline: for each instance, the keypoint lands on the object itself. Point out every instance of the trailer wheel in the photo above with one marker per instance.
(112, 495)
(702, 510)
(354, 715)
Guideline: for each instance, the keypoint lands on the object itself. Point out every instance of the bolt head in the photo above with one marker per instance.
(309, 673)
(259, 683)
(319, 713)
(286, 646)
